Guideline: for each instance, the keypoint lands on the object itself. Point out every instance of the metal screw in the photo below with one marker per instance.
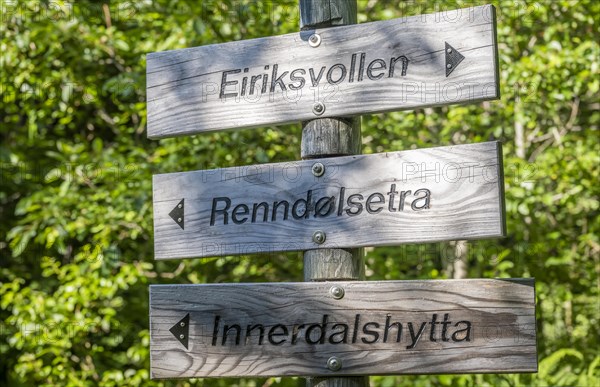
(179, 205)
(318, 237)
(334, 363)
(449, 51)
(318, 108)
(449, 65)
(318, 169)
(179, 220)
(314, 40)
(182, 336)
(182, 324)
(337, 292)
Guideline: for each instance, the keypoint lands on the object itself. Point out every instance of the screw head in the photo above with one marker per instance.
(334, 363)
(179, 220)
(449, 51)
(319, 237)
(318, 169)
(179, 205)
(318, 108)
(314, 40)
(449, 66)
(182, 336)
(182, 324)
(337, 292)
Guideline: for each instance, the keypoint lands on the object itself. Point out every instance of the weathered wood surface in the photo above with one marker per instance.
(327, 13)
(489, 327)
(465, 201)
(328, 137)
(202, 88)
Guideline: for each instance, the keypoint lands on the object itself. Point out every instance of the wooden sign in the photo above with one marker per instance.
(342, 328)
(425, 195)
(426, 60)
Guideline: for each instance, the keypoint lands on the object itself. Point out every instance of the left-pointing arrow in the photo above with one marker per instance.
(177, 214)
(181, 330)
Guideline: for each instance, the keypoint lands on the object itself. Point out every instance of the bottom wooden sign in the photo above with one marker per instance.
(343, 328)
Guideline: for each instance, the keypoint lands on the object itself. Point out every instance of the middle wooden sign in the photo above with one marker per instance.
(415, 196)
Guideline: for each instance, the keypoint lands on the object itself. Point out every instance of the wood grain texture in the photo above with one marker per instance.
(184, 86)
(328, 137)
(331, 137)
(320, 13)
(501, 337)
(334, 264)
(464, 181)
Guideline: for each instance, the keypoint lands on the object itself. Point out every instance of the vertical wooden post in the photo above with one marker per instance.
(330, 137)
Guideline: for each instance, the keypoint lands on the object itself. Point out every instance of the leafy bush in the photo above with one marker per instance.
(76, 247)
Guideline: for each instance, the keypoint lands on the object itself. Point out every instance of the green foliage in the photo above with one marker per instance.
(76, 231)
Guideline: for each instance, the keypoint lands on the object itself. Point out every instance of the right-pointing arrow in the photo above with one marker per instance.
(453, 58)
(181, 330)
(177, 213)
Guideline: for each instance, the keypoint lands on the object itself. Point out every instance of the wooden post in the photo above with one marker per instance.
(330, 137)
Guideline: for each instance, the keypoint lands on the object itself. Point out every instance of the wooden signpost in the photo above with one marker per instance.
(426, 60)
(328, 206)
(425, 195)
(349, 328)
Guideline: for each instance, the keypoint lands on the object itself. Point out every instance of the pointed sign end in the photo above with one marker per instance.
(177, 214)
(453, 58)
(181, 330)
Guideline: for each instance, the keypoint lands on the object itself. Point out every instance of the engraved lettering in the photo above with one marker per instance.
(426, 199)
(395, 200)
(275, 80)
(247, 81)
(376, 65)
(240, 209)
(466, 330)
(413, 337)
(354, 204)
(335, 330)
(371, 200)
(326, 202)
(393, 65)
(214, 211)
(315, 81)
(321, 328)
(369, 332)
(225, 83)
(273, 334)
(249, 330)
(265, 208)
(295, 78)
(342, 70)
(227, 328)
(342, 335)
(389, 326)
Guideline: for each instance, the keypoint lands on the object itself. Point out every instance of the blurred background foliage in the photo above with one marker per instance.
(76, 232)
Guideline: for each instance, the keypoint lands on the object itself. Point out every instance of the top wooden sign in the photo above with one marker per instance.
(426, 60)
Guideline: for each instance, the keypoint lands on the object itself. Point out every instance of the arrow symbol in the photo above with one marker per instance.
(177, 214)
(181, 330)
(453, 58)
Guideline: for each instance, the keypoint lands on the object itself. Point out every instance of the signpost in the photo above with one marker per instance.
(426, 195)
(331, 137)
(426, 60)
(329, 206)
(350, 328)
